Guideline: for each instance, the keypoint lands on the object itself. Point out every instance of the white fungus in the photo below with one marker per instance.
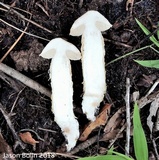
(62, 87)
(90, 26)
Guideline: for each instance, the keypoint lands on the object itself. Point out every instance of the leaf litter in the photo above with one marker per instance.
(113, 126)
(26, 137)
(100, 121)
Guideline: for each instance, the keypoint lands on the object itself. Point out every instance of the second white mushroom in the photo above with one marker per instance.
(90, 26)
(60, 51)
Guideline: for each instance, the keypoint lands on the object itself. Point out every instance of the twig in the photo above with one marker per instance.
(148, 36)
(157, 121)
(127, 100)
(16, 100)
(47, 130)
(17, 86)
(33, 35)
(85, 144)
(153, 87)
(155, 148)
(157, 51)
(43, 9)
(66, 155)
(14, 44)
(2, 9)
(27, 81)
(118, 43)
(22, 10)
(147, 99)
(16, 137)
(108, 98)
(24, 18)
(118, 135)
(37, 106)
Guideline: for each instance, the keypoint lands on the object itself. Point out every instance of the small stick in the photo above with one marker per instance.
(16, 137)
(2, 9)
(43, 9)
(14, 44)
(153, 87)
(17, 86)
(85, 144)
(16, 100)
(121, 130)
(47, 130)
(148, 36)
(24, 18)
(27, 33)
(127, 100)
(157, 121)
(118, 43)
(147, 99)
(108, 98)
(155, 148)
(27, 81)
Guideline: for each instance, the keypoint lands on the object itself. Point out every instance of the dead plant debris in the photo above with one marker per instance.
(50, 19)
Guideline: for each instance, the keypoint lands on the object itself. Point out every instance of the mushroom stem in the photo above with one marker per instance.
(62, 93)
(62, 87)
(94, 75)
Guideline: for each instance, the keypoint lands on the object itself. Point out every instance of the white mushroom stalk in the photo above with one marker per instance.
(90, 26)
(62, 87)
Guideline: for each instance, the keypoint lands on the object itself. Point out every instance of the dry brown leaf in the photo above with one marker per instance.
(100, 120)
(26, 137)
(113, 126)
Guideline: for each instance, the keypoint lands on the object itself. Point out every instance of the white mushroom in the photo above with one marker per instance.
(62, 88)
(90, 26)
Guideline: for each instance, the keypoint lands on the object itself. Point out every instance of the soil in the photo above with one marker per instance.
(31, 109)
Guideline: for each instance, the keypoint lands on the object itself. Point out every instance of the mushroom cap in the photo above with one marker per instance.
(60, 46)
(89, 19)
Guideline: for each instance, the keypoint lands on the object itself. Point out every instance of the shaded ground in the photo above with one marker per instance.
(32, 109)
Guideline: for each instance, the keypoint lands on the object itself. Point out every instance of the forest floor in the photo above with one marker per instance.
(25, 29)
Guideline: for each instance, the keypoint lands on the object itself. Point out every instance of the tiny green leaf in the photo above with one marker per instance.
(147, 32)
(139, 139)
(149, 63)
(121, 155)
(104, 157)
(110, 151)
